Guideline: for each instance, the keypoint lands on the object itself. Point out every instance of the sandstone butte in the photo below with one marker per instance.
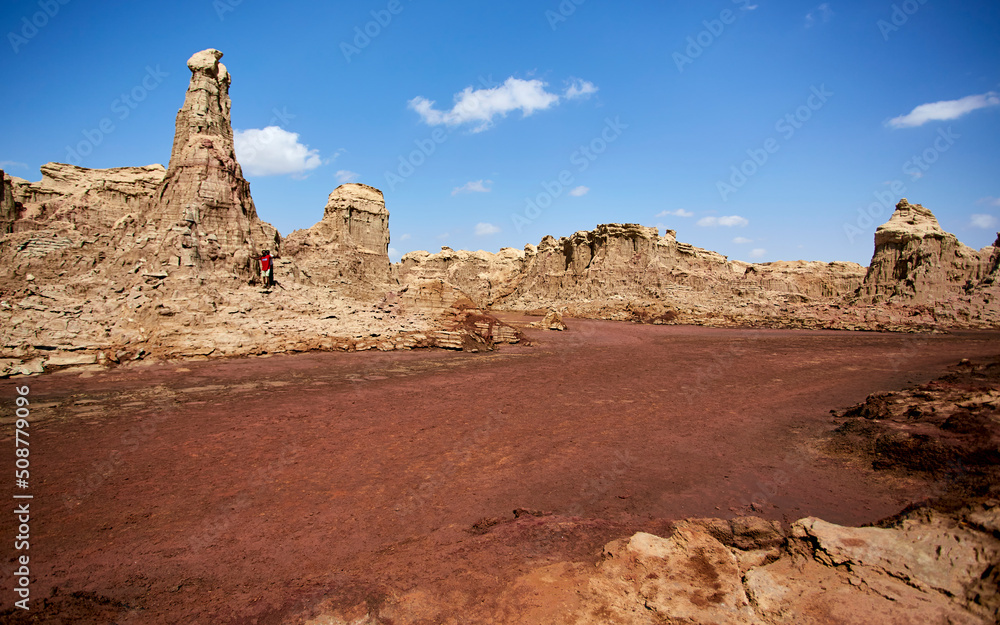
(104, 266)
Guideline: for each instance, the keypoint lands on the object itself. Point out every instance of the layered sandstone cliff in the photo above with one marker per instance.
(629, 271)
(201, 219)
(916, 261)
(349, 247)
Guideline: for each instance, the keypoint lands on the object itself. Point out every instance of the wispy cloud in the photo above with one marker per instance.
(480, 106)
(403, 237)
(757, 252)
(9, 164)
(484, 229)
(580, 191)
(822, 13)
(944, 110)
(474, 186)
(986, 222)
(680, 212)
(989, 201)
(580, 89)
(273, 151)
(742, 240)
(730, 221)
(344, 176)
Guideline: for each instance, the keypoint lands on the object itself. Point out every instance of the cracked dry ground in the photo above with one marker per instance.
(258, 490)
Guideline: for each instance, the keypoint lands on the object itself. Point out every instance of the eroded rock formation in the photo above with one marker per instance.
(916, 261)
(201, 219)
(349, 247)
(630, 272)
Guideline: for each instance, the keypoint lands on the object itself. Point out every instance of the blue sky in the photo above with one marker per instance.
(762, 130)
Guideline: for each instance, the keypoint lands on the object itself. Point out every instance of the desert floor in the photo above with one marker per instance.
(248, 490)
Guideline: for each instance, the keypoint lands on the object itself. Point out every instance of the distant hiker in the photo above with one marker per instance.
(266, 268)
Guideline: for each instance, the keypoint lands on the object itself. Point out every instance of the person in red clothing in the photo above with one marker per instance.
(266, 268)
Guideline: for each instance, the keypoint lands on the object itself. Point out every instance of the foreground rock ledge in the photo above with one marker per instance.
(925, 568)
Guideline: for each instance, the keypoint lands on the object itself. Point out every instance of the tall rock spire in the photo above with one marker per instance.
(202, 216)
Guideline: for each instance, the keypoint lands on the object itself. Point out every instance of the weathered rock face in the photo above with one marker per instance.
(349, 247)
(8, 206)
(90, 200)
(630, 272)
(201, 219)
(917, 262)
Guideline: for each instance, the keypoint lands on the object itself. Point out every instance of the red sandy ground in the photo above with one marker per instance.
(247, 491)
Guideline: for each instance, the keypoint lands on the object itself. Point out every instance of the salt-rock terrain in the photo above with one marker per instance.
(631, 272)
(104, 266)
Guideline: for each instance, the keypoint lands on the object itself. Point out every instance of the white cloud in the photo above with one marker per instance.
(474, 186)
(483, 229)
(680, 212)
(730, 221)
(481, 106)
(989, 201)
(273, 151)
(821, 13)
(757, 252)
(393, 252)
(580, 89)
(742, 240)
(403, 237)
(987, 222)
(7, 164)
(944, 110)
(580, 191)
(344, 176)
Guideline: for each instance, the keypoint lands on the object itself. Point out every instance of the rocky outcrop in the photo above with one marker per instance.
(924, 567)
(201, 220)
(630, 272)
(8, 206)
(916, 261)
(349, 247)
(89, 200)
